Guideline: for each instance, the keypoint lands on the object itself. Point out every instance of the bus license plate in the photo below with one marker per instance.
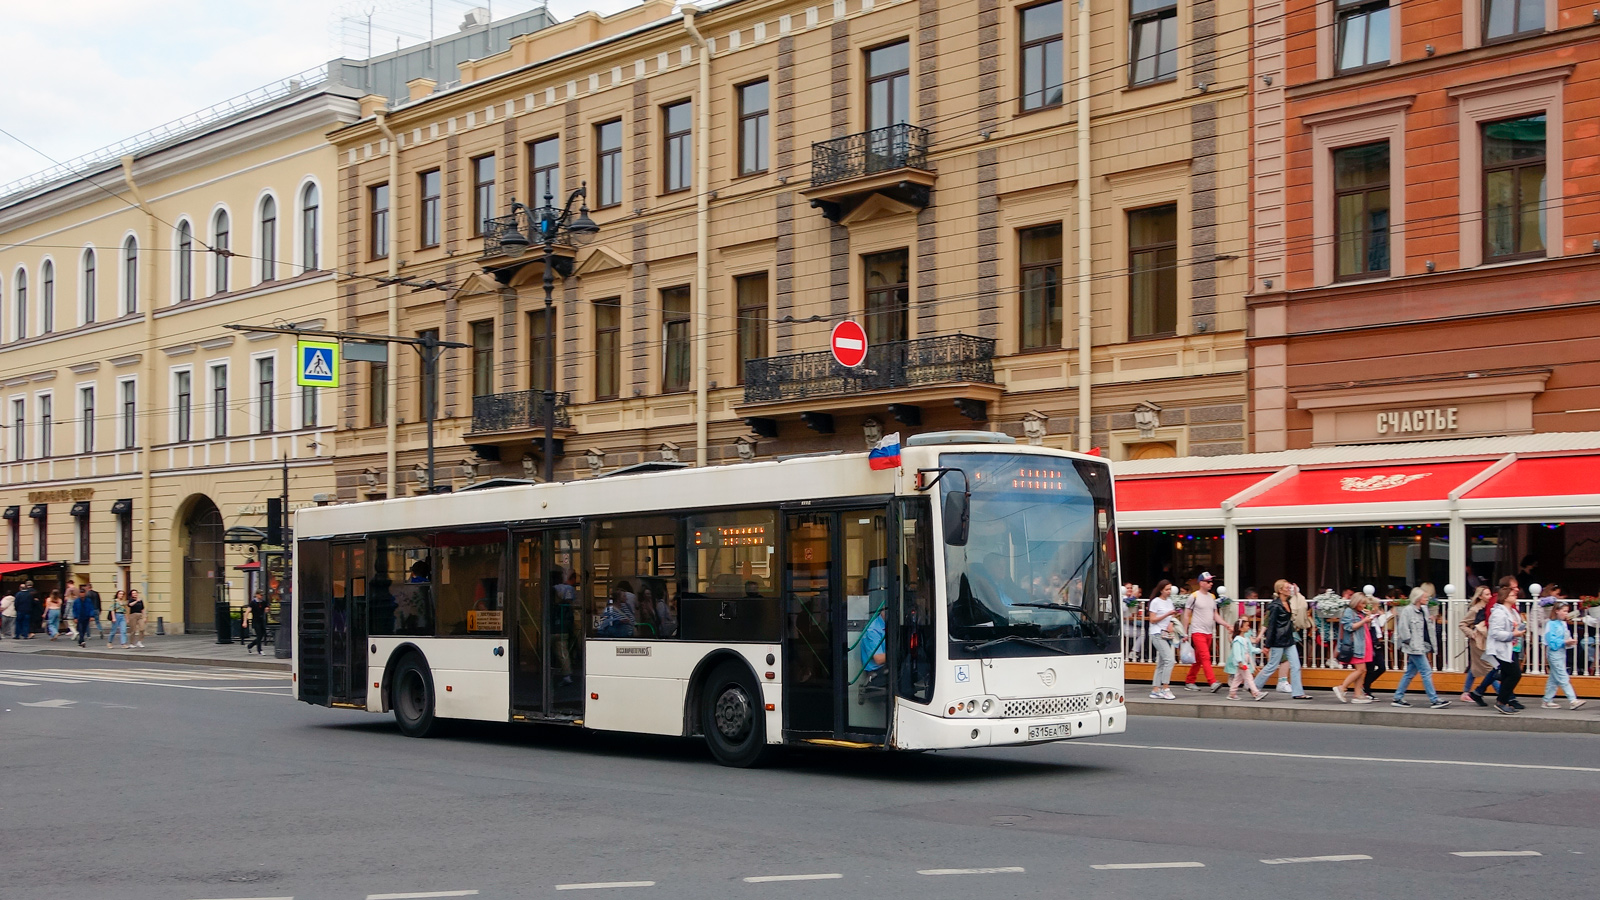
(1046, 732)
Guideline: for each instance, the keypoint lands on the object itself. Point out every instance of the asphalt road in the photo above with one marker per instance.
(139, 781)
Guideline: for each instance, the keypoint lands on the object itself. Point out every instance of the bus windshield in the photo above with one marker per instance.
(1037, 574)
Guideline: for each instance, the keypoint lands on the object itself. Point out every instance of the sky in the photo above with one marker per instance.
(84, 74)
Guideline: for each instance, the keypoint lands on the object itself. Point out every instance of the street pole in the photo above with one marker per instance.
(430, 348)
(549, 363)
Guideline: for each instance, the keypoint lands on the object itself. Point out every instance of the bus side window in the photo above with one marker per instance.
(917, 650)
(634, 590)
(466, 583)
(730, 577)
(400, 590)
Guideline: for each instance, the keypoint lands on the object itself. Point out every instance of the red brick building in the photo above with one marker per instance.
(1425, 221)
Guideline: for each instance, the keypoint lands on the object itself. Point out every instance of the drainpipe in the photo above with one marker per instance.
(1085, 250)
(391, 406)
(147, 376)
(702, 231)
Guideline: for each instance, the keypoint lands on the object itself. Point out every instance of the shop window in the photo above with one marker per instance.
(1514, 188)
(466, 583)
(1040, 277)
(1361, 207)
(1153, 27)
(634, 591)
(1362, 34)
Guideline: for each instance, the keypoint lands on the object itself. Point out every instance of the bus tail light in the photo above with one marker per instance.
(594, 696)
(772, 707)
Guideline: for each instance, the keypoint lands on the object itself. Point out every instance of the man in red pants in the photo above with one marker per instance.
(1200, 620)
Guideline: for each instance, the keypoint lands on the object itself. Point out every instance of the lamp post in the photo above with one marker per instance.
(555, 228)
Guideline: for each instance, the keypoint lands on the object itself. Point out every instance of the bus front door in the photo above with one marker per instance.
(347, 624)
(547, 653)
(836, 590)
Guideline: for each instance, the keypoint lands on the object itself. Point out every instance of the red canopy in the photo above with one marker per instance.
(1182, 492)
(1543, 476)
(13, 567)
(1369, 484)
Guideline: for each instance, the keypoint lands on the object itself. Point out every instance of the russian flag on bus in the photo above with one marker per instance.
(885, 454)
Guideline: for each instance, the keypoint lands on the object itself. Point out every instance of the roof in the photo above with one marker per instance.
(1481, 448)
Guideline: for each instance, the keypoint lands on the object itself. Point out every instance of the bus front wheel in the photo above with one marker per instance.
(412, 698)
(732, 715)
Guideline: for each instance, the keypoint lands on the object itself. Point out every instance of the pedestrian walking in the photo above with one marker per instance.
(1558, 640)
(1200, 620)
(136, 617)
(1355, 649)
(8, 616)
(1240, 663)
(1413, 630)
(82, 614)
(69, 601)
(258, 622)
(1162, 615)
(1504, 643)
(52, 614)
(23, 606)
(1278, 636)
(94, 605)
(1478, 668)
(119, 620)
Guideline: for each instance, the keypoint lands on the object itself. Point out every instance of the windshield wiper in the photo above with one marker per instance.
(1047, 605)
(1033, 642)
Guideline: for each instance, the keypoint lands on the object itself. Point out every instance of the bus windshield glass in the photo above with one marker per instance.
(1037, 574)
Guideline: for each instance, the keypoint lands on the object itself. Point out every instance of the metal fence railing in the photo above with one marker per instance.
(941, 359)
(900, 146)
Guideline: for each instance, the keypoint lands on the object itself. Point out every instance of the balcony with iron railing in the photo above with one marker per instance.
(517, 411)
(889, 162)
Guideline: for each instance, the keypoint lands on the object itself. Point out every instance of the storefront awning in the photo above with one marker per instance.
(1184, 500)
(1380, 492)
(11, 568)
(1541, 487)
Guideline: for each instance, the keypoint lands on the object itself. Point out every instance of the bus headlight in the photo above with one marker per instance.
(972, 705)
(1099, 697)
(988, 705)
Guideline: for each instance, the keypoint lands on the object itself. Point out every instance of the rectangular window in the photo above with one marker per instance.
(608, 163)
(1154, 34)
(428, 215)
(1361, 206)
(751, 291)
(219, 401)
(540, 330)
(545, 159)
(86, 419)
(125, 537)
(635, 575)
(266, 385)
(916, 619)
(675, 355)
(378, 202)
(889, 85)
(729, 570)
(428, 403)
(466, 583)
(1362, 34)
(310, 403)
(754, 103)
(47, 423)
(482, 357)
(607, 348)
(677, 129)
(1043, 71)
(15, 528)
(377, 394)
(1505, 19)
(1040, 278)
(182, 404)
(41, 536)
(81, 528)
(1153, 272)
(19, 428)
(482, 192)
(1514, 188)
(888, 281)
(130, 413)
(400, 601)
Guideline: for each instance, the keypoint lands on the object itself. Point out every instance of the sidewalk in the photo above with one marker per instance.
(187, 649)
(1326, 709)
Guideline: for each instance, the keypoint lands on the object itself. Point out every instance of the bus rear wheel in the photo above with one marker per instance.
(411, 697)
(733, 717)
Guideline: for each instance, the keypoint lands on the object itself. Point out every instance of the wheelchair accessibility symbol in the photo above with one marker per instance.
(963, 674)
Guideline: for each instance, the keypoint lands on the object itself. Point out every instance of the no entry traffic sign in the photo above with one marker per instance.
(849, 344)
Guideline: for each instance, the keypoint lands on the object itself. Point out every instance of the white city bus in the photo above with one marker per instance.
(811, 600)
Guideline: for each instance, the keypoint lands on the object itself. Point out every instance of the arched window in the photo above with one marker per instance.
(269, 239)
(219, 260)
(47, 297)
(19, 300)
(130, 276)
(185, 272)
(308, 229)
(90, 299)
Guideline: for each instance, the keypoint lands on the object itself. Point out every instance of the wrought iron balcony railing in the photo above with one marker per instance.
(885, 149)
(932, 360)
(517, 411)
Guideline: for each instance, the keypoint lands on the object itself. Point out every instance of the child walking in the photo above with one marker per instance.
(1240, 664)
(1558, 640)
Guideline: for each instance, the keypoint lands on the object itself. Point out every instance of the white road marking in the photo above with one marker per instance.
(995, 870)
(421, 894)
(1363, 759)
(1154, 865)
(253, 898)
(1481, 853)
(19, 683)
(599, 885)
(760, 879)
(1349, 857)
(50, 704)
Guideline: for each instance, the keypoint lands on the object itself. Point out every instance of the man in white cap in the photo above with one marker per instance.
(1200, 621)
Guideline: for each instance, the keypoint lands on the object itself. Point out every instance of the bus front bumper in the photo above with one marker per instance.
(917, 730)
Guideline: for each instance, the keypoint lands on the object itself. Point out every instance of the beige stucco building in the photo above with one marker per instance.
(914, 166)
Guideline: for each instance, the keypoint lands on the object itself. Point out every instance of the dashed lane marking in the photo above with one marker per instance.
(993, 870)
(148, 674)
(762, 879)
(1485, 853)
(1362, 759)
(19, 683)
(419, 895)
(1151, 865)
(600, 885)
(1288, 860)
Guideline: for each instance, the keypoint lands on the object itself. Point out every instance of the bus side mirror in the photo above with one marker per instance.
(957, 516)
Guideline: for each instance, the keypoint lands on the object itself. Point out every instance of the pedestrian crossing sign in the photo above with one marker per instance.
(318, 364)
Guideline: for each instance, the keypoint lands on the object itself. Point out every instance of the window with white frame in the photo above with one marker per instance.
(47, 297)
(182, 405)
(221, 238)
(265, 385)
(310, 240)
(19, 428)
(19, 304)
(219, 400)
(86, 419)
(309, 406)
(267, 228)
(87, 292)
(128, 414)
(185, 263)
(47, 423)
(130, 276)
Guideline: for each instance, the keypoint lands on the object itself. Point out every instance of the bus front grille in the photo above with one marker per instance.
(1047, 706)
